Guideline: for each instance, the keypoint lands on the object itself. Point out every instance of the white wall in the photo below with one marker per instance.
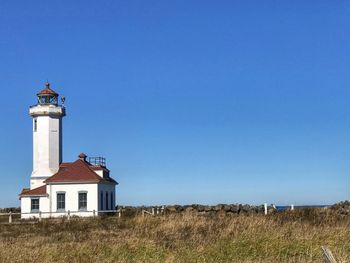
(49, 204)
(99, 172)
(72, 197)
(47, 142)
(26, 207)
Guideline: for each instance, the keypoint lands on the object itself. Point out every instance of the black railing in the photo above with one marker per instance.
(97, 161)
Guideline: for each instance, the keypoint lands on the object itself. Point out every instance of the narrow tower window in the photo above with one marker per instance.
(35, 125)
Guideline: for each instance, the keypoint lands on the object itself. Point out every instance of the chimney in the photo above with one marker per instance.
(82, 157)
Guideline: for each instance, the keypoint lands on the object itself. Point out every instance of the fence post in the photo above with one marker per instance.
(120, 213)
(10, 217)
(328, 256)
(39, 216)
(153, 211)
(292, 207)
(265, 209)
(68, 215)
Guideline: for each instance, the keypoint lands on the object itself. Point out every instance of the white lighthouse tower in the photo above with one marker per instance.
(47, 136)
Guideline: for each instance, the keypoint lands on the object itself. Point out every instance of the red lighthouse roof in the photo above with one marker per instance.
(48, 91)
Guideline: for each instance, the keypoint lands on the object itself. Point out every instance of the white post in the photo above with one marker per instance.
(153, 211)
(10, 217)
(120, 213)
(265, 208)
(328, 256)
(292, 207)
(39, 216)
(68, 215)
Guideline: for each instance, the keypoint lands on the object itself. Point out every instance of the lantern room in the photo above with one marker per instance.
(47, 96)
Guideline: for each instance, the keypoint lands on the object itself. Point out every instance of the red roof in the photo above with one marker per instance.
(63, 165)
(77, 172)
(92, 167)
(48, 91)
(40, 191)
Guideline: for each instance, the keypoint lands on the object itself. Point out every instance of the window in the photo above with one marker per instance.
(35, 125)
(82, 201)
(61, 201)
(34, 207)
(47, 100)
(101, 197)
(112, 206)
(107, 201)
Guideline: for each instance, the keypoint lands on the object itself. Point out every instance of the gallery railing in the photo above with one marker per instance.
(97, 161)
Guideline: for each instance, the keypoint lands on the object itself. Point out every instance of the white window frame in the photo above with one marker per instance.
(31, 205)
(61, 209)
(86, 201)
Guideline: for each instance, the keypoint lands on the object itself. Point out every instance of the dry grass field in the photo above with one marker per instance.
(283, 237)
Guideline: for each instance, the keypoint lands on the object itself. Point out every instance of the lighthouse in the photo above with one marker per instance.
(47, 136)
(80, 188)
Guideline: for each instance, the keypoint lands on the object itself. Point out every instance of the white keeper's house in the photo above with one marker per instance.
(82, 188)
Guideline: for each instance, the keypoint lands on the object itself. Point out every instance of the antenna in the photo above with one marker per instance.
(63, 99)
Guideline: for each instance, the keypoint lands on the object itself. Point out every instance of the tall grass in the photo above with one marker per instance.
(283, 237)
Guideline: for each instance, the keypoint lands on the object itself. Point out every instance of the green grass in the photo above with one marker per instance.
(284, 237)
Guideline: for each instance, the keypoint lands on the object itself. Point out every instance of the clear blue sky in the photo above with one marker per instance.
(189, 101)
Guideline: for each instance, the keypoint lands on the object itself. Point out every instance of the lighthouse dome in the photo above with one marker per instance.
(47, 96)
